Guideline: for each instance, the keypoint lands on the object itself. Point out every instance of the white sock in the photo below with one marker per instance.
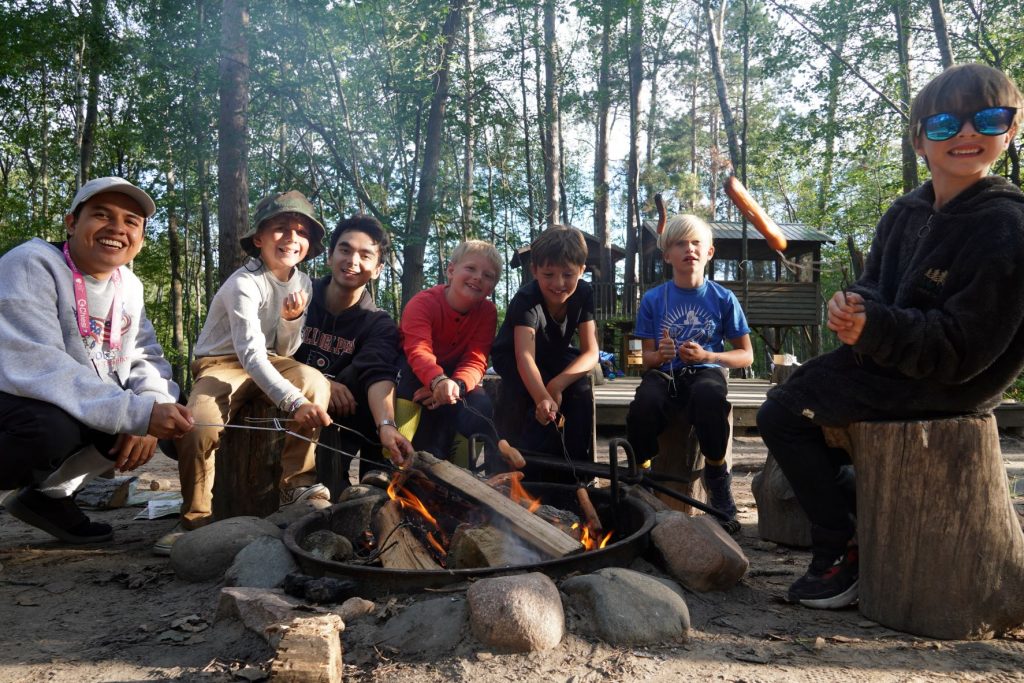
(83, 466)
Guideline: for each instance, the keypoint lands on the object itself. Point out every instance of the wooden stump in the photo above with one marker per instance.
(780, 518)
(248, 467)
(941, 550)
(679, 455)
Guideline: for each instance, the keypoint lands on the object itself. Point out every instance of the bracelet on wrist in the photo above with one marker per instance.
(296, 404)
(437, 380)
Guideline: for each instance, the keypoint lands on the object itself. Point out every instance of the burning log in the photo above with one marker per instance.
(589, 513)
(399, 547)
(549, 540)
(474, 547)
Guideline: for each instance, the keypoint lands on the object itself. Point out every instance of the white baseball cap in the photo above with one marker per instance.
(113, 184)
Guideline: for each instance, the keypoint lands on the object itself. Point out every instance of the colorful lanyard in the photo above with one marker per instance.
(82, 302)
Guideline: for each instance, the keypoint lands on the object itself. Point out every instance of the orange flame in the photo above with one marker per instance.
(408, 501)
(518, 494)
(437, 546)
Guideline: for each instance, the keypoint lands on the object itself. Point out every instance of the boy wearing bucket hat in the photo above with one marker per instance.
(84, 386)
(253, 327)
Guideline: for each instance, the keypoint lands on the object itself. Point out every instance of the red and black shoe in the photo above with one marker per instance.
(830, 582)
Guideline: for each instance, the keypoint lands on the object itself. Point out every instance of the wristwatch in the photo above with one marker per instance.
(385, 423)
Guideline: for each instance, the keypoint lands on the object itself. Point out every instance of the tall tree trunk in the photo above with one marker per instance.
(715, 52)
(835, 72)
(941, 32)
(900, 10)
(94, 61)
(419, 231)
(531, 210)
(636, 77)
(601, 152)
(552, 135)
(233, 129)
(467, 152)
(174, 251)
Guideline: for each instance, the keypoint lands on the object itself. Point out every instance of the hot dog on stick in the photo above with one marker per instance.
(754, 213)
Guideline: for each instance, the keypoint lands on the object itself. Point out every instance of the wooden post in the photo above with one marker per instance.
(679, 455)
(941, 549)
(248, 466)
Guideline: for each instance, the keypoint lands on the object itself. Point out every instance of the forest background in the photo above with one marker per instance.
(469, 118)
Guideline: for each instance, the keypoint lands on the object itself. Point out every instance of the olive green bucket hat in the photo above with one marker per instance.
(285, 202)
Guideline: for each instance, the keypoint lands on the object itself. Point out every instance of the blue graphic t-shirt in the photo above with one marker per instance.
(707, 315)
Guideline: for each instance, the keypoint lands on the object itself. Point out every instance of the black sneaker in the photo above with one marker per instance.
(719, 488)
(830, 583)
(58, 517)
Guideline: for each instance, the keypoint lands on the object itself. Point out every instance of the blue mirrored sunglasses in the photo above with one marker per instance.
(990, 121)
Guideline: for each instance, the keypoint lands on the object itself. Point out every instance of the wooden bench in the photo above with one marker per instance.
(941, 547)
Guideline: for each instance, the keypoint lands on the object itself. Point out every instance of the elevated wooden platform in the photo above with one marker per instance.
(746, 395)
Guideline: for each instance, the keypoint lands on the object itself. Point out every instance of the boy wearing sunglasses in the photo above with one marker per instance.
(932, 328)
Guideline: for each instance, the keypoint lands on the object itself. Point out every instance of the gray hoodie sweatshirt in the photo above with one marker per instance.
(43, 356)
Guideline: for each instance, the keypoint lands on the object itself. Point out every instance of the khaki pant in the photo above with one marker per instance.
(222, 386)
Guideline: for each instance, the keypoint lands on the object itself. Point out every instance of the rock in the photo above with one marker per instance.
(698, 552)
(206, 553)
(431, 626)
(519, 613)
(362, 491)
(257, 608)
(353, 608)
(351, 518)
(296, 511)
(309, 651)
(262, 564)
(624, 607)
(327, 545)
(319, 590)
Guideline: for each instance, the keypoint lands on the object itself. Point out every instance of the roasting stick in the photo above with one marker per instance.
(509, 453)
(277, 426)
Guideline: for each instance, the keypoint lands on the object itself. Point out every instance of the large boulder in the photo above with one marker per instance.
(206, 553)
(519, 613)
(624, 607)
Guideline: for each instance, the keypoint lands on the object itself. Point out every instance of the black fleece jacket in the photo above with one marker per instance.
(357, 348)
(944, 293)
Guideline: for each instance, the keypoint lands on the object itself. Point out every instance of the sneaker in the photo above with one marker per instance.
(830, 582)
(719, 487)
(58, 517)
(163, 546)
(301, 493)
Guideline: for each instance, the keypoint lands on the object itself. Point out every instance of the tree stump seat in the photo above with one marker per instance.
(680, 457)
(941, 548)
(780, 518)
(248, 466)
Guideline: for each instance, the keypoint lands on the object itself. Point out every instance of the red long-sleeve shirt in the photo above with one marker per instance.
(435, 336)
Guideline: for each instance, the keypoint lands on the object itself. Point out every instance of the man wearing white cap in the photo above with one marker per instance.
(84, 385)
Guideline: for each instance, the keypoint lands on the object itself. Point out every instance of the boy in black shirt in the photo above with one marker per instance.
(542, 374)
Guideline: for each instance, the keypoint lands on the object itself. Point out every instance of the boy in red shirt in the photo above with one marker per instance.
(447, 332)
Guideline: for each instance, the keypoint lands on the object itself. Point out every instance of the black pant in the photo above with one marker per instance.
(36, 437)
(516, 420)
(437, 428)
(332, 467)
(809, 463)
(701, 392)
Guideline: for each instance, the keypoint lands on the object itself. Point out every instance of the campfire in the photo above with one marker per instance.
(439, 517)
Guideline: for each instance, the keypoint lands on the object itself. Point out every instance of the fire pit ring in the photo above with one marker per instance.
(632, 514)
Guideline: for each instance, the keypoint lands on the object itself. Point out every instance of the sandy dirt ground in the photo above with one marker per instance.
(118, 613)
